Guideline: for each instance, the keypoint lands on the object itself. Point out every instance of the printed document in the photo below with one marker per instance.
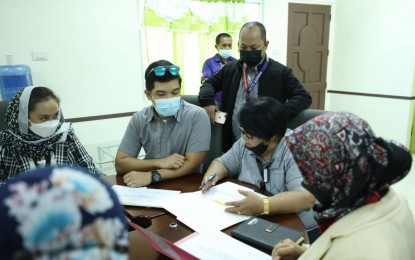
(217, 245)
(143, 197)
(206, 212)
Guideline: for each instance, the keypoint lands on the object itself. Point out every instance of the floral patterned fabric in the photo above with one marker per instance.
(344, 164)
(61, 213)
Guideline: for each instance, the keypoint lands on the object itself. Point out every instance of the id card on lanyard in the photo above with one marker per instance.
(254, 83)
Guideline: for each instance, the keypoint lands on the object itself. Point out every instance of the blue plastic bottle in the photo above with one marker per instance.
(13, 78)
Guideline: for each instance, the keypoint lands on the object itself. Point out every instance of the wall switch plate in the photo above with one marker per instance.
(39, 56)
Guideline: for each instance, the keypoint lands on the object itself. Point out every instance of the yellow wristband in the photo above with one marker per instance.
(266, 206)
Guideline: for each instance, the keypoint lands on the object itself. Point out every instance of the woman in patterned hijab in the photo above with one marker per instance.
(36, 137)
(349, 171)
(61, 213)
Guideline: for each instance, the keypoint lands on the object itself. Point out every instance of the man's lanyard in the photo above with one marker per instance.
(254, 83)
(264, 174)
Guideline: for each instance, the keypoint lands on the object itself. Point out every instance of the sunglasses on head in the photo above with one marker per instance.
(160, 71)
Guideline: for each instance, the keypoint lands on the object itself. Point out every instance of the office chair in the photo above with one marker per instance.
(215, 148)
(3, 110)
(303, 117)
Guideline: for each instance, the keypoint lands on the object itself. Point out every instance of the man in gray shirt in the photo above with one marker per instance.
(261, 157)
(174, 134)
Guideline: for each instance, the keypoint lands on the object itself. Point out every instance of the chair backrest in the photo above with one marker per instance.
(3, 110)
(303, 117)
(215, 148)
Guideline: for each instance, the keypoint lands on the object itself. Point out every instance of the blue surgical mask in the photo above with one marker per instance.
(167, 106)
(225, 53)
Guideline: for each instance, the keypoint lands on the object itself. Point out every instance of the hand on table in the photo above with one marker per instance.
(251, 205)
(137, 179)
(287, 250)
(174, 161)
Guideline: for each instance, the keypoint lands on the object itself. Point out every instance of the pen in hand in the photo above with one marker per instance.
(211, 177)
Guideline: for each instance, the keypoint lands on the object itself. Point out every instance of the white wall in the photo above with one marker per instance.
(93, 53)
(94, 57)
(371, 51)
(374, 52)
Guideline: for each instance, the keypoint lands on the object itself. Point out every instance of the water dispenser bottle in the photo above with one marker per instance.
(13, 78)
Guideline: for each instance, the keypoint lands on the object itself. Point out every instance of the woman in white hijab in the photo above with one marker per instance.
(36, 137)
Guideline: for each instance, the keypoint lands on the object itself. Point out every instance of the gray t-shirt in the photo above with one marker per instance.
(186, 132)
(284, 174)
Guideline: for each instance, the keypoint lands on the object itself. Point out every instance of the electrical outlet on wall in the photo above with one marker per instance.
(39, 56)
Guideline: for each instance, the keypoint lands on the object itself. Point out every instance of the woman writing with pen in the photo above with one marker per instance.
(261, 157)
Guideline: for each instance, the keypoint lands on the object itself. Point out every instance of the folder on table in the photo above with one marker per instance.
(264, 234)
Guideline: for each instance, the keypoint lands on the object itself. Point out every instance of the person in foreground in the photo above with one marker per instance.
(36, 137)
(253, 75)
(174, 134)
(349, 171)
(61, 212)
(261, 157)
(210, 66)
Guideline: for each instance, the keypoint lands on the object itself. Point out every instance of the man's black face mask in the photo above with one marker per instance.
(251, 58)
(259, 149)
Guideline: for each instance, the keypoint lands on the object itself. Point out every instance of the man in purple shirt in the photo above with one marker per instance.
(211, 65)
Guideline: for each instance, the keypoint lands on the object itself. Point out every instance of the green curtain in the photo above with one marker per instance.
(190, 23)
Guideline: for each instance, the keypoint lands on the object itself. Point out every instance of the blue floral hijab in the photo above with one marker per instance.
(61, 213)
(344, 165)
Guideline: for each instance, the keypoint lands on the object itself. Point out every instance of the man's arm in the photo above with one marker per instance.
(210, 86)
(207, 92)
(298, 98)
(125, 163)
(191, 164)
(281, 203)
(291, 201)
(214, 168)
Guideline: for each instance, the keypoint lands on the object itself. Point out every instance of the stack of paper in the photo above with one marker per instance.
(143, 197)
(217, 245)
(206, 212)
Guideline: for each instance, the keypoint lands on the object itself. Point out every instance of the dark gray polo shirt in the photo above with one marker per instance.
(187, 131)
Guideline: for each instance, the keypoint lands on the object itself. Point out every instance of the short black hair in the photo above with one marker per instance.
(222, 35)
(151, 77)
(264, 117)
(259, 25)
(41, 94)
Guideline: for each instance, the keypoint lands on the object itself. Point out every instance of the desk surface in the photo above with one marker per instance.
(140, 248)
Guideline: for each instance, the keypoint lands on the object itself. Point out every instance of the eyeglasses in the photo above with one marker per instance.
(160, 71)
(243, 132)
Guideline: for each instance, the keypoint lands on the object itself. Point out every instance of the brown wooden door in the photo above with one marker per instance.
(307, 50)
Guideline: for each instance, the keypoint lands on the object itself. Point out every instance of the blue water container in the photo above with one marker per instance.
(13, 78)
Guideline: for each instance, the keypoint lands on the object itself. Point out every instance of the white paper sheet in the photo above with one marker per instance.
(217, 245)
(206, 212)
(143, 197)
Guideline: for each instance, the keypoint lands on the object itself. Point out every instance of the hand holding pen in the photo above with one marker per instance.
(208, 182)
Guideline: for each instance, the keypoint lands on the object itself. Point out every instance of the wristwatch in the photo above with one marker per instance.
(155, 176)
